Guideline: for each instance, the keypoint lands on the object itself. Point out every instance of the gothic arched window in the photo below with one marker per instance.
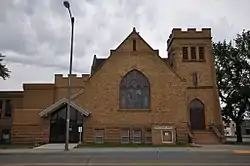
(134, 91)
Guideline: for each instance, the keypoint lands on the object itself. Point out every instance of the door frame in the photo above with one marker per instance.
(202, 126)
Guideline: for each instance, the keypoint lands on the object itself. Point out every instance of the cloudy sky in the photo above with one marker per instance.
(34, 34)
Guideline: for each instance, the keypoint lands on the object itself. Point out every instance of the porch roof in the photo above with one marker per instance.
(59, 103)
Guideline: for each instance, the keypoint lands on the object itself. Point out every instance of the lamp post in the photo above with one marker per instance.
(72, 19)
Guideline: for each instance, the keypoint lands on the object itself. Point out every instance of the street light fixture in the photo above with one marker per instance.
(66, 4)
(72, 19)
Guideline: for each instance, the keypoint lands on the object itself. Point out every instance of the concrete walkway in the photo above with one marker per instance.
(60, 149)
(54, 147)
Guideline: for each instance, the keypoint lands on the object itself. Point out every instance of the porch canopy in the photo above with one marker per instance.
(61, 102)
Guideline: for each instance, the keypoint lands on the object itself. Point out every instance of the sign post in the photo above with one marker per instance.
(80, 134)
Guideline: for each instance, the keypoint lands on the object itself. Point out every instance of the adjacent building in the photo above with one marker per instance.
(230, 128)
(132, 97)
(7, 101)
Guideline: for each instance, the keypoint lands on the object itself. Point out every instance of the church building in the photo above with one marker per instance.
(132, 97)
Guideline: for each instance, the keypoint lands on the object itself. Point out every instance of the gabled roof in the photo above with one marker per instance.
(61, 102)
(99, 62)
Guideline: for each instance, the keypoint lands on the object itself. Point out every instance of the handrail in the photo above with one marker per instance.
(217, 132)
(190, 133)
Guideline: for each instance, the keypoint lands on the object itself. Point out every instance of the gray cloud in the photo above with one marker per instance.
(36, 33)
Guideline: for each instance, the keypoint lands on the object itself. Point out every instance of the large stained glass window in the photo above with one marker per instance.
(134, 91)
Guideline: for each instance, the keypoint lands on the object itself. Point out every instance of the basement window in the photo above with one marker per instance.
(148, 136)
(125, 136)
(5, 137)
(99, 136)
(137, 136)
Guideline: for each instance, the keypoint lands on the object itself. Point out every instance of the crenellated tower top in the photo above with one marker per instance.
(61, 80)
(190, 33)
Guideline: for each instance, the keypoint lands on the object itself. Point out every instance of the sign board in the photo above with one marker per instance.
(167, 136)
(163, 127)
(80, 129)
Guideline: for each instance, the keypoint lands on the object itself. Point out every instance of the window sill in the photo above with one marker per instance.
(134, 110)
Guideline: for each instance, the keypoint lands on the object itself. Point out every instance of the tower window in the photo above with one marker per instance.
(193, 53)
(185, 53)
(195, 79)
(201, 53)
(134, 45)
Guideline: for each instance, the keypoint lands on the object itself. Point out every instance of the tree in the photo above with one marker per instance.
(233, 78)
(4, 71)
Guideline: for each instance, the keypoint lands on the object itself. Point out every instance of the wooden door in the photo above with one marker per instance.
(197, 115)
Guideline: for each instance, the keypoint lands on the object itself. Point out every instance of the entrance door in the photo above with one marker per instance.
(58, 126)
(76, 121)
(197, 115)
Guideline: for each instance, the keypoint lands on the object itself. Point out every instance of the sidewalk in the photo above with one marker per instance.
(204, 148)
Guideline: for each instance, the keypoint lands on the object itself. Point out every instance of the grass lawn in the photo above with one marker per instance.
(237, 143)
(12, 146)
(113, 145)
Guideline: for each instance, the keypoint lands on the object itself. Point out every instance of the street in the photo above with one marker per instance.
(182, 158)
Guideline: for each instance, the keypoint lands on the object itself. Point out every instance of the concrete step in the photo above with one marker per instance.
(205, 137)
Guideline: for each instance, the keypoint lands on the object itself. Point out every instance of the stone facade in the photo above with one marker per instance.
(174, 83)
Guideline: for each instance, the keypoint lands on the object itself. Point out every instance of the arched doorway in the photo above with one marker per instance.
(58, 125)
(197, 115)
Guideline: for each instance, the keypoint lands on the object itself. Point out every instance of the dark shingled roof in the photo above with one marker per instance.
(97, 64)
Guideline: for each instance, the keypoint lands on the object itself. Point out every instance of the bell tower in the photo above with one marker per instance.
(190, 55)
